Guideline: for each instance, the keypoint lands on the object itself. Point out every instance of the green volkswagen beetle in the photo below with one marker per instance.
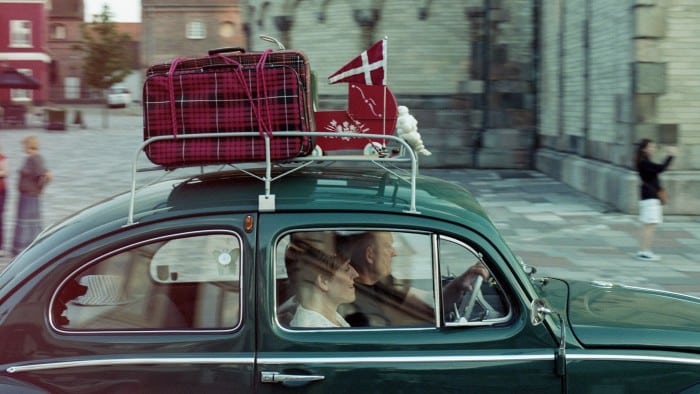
(322, 275)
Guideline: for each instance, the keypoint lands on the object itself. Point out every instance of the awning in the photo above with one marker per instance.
(13, 79)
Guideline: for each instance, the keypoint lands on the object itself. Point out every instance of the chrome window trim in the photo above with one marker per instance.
(489, 322)
(435, 238)
(437, 278)
(276, 303)
(115, 252)
(128, 361)
(302, 331)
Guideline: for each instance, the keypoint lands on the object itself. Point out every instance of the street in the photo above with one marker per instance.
(551, 226)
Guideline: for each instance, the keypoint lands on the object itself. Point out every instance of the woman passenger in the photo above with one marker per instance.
(321, 279)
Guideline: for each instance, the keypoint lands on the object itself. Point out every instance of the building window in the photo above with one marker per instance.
(196, 30)
(22, 95)
(227, 29)
(58, 32)
(20, 33)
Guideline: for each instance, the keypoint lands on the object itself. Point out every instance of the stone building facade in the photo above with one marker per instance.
(563, 86)
(465, 70)
(612, 73)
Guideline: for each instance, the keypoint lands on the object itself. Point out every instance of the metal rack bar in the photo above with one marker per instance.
(407, 156)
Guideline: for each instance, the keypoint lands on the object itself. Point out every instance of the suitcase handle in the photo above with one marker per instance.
(226, 50)
(272, 40)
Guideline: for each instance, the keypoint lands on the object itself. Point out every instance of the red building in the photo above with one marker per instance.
(23, 46)
(65, 34)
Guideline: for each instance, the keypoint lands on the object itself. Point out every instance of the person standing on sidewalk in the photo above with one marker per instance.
(3, 197)
(650, 211)
(33, 177)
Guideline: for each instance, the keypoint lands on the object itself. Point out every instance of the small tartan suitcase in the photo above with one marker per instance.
(264, 92)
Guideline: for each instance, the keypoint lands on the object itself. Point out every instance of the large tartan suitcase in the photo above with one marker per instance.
(263, 92)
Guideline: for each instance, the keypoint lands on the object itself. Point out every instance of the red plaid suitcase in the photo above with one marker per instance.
(263, 92)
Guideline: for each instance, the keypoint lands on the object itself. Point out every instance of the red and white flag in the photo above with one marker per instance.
(369, 68)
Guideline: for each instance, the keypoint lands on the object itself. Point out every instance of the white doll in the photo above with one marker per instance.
(407, 128)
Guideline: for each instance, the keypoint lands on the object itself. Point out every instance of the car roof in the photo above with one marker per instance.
(315, 189)
(313, 184)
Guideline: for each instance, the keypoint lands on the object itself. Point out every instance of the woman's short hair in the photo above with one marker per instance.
(310, 254)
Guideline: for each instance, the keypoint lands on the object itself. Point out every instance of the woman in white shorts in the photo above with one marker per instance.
(650, 209)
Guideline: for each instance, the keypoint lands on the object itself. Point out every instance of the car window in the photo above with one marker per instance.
(182, 283)
(358, 278)
(468, 298)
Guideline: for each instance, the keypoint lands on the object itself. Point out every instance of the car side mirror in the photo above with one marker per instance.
(538, 311)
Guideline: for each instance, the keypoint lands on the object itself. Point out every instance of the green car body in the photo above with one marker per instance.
(577, 338)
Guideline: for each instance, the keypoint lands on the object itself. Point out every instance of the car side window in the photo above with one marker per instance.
(471, 295)
(380, 278)
(354, 278)
(191, 282)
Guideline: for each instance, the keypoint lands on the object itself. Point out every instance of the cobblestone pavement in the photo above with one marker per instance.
(565, 233)
(551, 226)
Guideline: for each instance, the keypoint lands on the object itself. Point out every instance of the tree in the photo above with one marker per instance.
(108, 58)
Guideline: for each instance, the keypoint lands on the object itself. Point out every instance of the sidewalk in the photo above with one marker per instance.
(553, 227)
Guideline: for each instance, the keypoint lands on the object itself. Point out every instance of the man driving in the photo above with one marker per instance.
(381, 298)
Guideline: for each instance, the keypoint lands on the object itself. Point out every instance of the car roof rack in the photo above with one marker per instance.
(266, 202)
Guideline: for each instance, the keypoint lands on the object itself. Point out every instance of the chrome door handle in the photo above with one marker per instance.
(276, 377)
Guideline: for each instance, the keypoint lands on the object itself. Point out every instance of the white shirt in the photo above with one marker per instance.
(311, 319)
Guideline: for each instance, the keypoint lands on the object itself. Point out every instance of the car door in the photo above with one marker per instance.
(396, 348)
(164, 308)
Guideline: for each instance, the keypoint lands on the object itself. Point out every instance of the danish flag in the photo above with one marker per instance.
(369, 68)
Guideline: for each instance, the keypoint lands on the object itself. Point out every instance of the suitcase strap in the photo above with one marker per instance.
(264, 128)
(263, 124)
(171, 93)
(262, 84)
